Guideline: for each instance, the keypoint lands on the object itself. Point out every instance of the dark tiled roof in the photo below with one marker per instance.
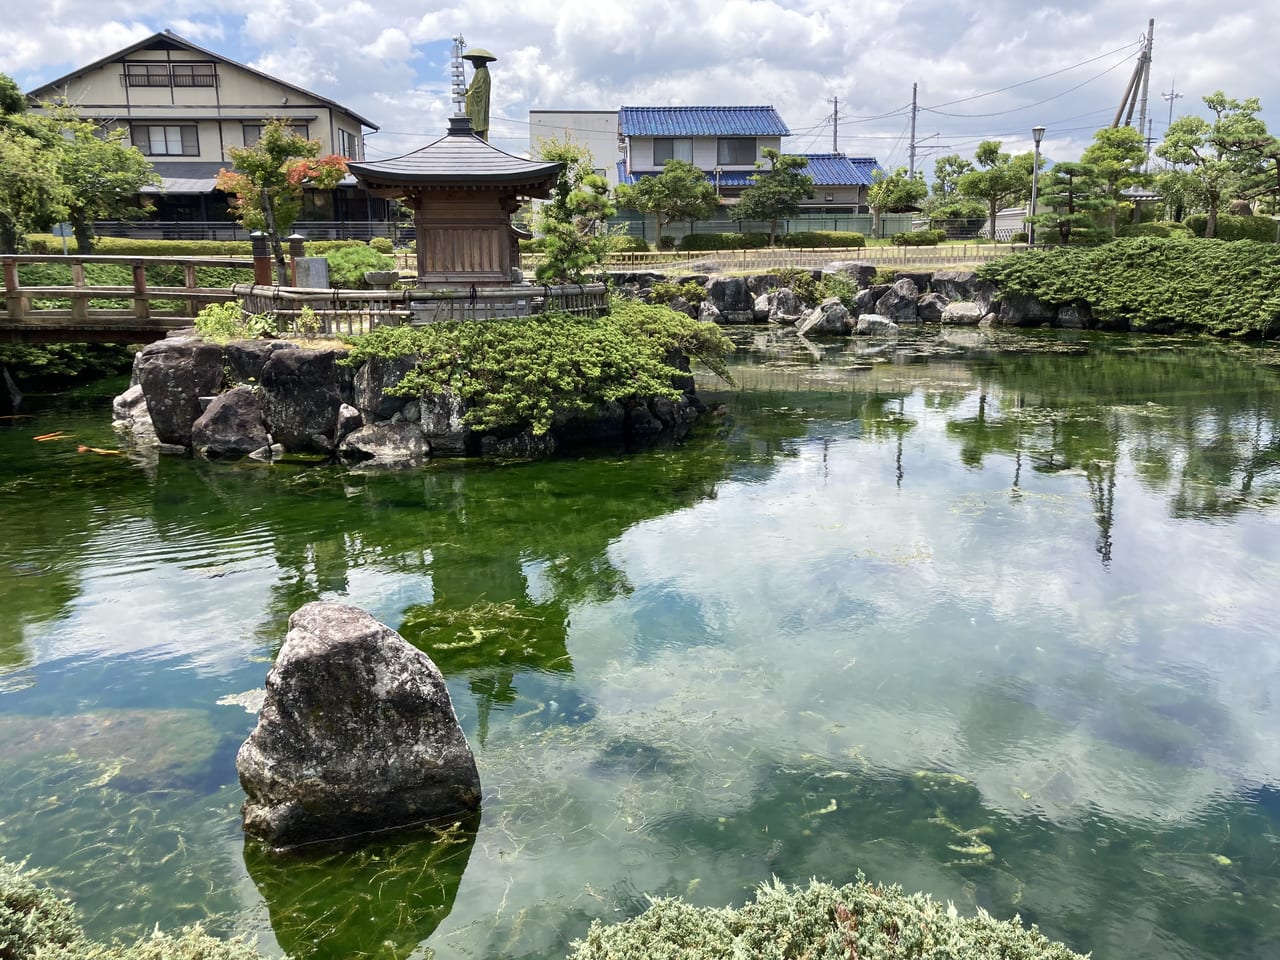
(458, 157)
(701, 122)
(826, 169)
(170, 40)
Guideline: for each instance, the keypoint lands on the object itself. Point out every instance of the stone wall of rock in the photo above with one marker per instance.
(266, 398)
(915, 296)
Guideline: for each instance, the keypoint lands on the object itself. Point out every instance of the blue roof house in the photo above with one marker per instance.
(727, 143)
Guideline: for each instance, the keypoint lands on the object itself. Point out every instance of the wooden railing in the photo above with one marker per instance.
(331, 312)
(75, 310)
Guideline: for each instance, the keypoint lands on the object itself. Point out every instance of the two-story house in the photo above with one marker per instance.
(184, 107)
(726, 143)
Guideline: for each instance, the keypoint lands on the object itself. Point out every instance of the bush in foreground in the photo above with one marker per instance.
(860, 921)
(821, 922)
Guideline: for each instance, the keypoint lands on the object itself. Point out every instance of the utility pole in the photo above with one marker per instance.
(911, 150)
(835, 124)
(1169, 97)
(1146, 76)
(1136, 90)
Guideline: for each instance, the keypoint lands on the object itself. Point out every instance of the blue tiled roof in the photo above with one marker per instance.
(834, 169)
(701, 122)
(827, 170)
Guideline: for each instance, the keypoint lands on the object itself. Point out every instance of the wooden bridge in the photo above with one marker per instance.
(81, 311)
(143, 310)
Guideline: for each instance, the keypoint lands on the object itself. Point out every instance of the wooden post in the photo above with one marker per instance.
(79, 301)
(13, 298)
(141, 305)
(189, 278)
(262, 272)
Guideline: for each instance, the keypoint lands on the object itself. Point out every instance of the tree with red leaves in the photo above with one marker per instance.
(267, 183)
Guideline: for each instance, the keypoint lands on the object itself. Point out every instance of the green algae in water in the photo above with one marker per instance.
(1043, 579)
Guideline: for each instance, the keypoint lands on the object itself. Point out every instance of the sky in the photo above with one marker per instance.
(984, 70)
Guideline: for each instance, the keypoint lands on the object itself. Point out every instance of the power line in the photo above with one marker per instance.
(1028, 106)
(1046, 76)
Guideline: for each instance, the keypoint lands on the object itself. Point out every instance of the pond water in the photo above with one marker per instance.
(991, 617)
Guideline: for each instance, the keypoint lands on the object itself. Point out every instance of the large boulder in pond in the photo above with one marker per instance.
(302, 397)
(733, 299)
(232, 426)
(964, 285)
(357, 733)
(899, 302)
(174, 375)
(830, 317)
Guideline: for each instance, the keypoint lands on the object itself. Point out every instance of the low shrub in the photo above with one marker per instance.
(520, 373)
(627, 243)
(691, 291)
(1018, 237)
(801, 283)
(724, 241)
(348, 265)
(885, 275)
(667, 243)
(810, 239)
(1232, 227)
(223, 322)
(919, 238)
(36, 923)
(47, 365)
(819, 922)
(535, 245)
(382, 244)
(841, 286)
(1155, 228)
(33, 919)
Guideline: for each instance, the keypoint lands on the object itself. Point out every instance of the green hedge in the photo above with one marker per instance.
(1155, 285)
(134, 247)
(626, 243)
(811, 239)
(1230, 227)
(1155, 228)
(724, 241)
(919, 238)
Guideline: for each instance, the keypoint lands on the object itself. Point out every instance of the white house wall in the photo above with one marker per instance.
(597, 130)
(704, 153)
(219, 111)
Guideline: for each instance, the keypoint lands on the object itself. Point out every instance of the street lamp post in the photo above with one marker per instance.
(1038, 134)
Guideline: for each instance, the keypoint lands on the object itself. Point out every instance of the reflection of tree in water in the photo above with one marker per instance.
(1200, 425)
(503, 552)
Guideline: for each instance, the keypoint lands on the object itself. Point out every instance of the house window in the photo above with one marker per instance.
(672, 148)
(736, 151)
(146, 74)
(348, 144)
(176, 140)
(193, 75)
(253, 132)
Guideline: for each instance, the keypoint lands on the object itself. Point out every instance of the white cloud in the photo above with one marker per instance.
(389, 63)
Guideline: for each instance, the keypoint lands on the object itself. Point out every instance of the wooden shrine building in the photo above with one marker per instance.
(463, 192)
